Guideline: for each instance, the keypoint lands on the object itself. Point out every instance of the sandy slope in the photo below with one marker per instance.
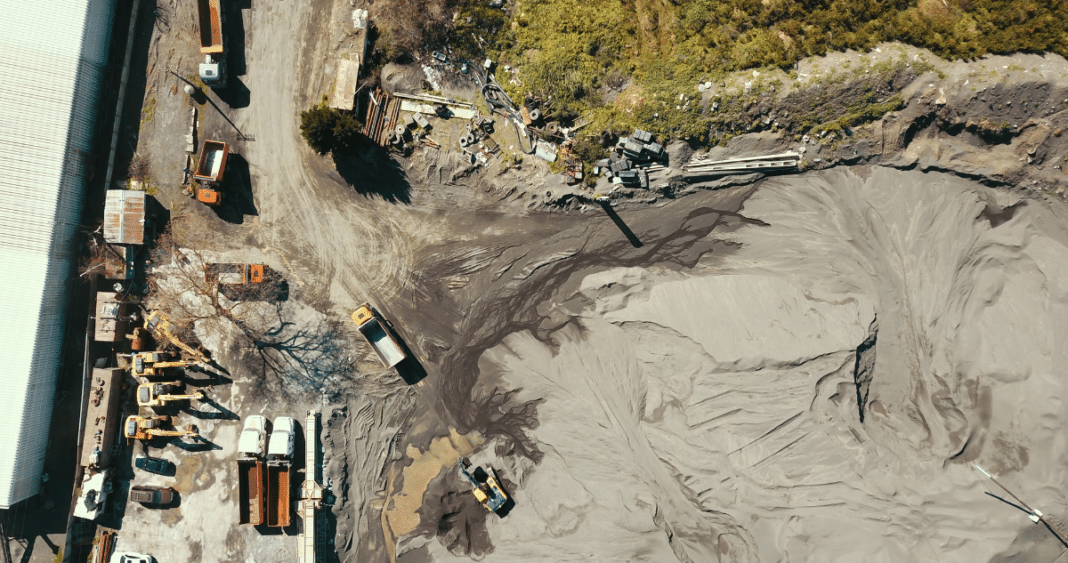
(713, 415)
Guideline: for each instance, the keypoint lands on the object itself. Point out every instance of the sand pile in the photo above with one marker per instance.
(817, 396)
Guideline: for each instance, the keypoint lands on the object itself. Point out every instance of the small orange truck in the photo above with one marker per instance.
(234, 274)
(209, 171)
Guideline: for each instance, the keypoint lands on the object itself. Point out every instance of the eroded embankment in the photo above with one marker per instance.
(712, 413)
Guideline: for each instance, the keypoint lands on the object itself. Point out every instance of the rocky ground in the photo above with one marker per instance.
(741, 369)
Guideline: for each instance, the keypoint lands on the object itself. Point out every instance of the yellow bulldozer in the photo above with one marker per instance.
(155, 364)
(162, 328)
(159, 394)
(149, 427)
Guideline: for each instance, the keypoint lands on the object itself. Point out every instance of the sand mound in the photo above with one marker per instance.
(715, 414)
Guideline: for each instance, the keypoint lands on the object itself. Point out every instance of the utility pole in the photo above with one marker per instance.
(244, 137)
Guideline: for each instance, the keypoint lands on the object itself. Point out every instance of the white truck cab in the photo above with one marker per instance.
(283, 438)
(254, 437)
(128, 557)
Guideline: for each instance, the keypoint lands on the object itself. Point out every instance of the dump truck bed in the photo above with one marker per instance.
(211, 40)
(278, 495)
(250, 490)
(212, 162)
(388, 350)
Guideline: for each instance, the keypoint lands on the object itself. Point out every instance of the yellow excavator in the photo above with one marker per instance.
(148, 427)
(162, 327)
(153, 364)
(487, 491)
(159, 394)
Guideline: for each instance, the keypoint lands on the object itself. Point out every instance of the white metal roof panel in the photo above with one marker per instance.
(49, 85)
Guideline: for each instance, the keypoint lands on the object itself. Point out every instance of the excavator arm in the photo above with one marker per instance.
(161, 327)
(178, 364)
(168, 398)
(187, 431)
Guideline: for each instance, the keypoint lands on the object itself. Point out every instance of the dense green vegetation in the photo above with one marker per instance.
(570, 54)
(327, 129)
(568, 50)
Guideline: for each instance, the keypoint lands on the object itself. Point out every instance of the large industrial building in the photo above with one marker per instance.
(51, 81)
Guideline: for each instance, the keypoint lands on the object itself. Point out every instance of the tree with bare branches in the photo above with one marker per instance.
(291, 347)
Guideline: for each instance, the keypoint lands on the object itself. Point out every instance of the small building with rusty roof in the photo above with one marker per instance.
(124, 217)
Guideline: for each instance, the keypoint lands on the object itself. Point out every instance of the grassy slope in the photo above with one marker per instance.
(569, 51)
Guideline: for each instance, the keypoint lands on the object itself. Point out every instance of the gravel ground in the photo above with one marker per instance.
(482, 276)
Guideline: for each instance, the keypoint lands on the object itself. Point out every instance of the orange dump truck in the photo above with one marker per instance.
(212, 46)
(209, 172)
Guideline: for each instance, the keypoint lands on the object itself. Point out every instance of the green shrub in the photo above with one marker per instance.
(588, 149)
(327, 129)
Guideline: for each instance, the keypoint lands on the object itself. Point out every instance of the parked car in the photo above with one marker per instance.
(127, 557)
(152, 495)
(154, 465)
(441, 57)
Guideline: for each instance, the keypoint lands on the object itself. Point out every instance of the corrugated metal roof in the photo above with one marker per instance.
(49, 86)
(124, 217)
